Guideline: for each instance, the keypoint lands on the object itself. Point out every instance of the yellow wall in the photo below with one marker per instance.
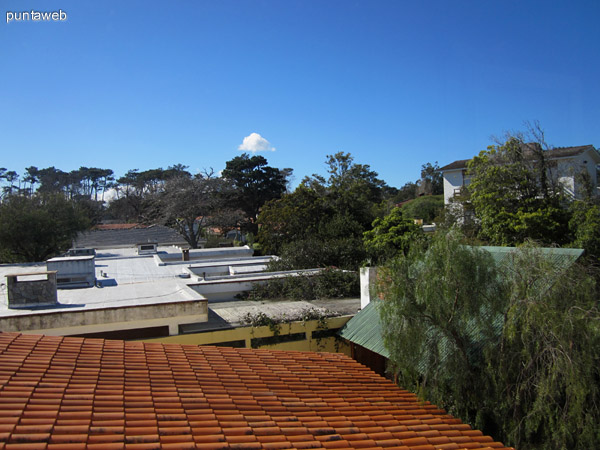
(247, 333)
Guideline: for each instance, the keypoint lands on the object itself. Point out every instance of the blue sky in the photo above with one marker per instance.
(143, 84)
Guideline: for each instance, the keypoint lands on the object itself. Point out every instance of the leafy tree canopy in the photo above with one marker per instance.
(406, 192)
(390, 235)
(426, 208)
(584, 226)
(434, 298)
(432, 181)
(38, 227)
(515, 197)
(513, 348)
(321, 223)
(351, 189)
(293, 217)
(256, 183)
(191, 204)
(306, 232)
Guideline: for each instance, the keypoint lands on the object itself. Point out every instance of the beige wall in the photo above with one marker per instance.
(248, 334)
(65, 322)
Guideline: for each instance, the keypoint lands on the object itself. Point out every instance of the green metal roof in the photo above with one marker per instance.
(561, 257)
(364, 329)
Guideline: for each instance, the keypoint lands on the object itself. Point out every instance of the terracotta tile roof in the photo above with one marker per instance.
(76, 393)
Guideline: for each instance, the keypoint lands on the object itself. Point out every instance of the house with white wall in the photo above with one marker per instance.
(566, 164)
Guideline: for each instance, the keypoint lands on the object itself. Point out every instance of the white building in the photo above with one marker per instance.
(115, 293)
(567, 163)
(127, 294)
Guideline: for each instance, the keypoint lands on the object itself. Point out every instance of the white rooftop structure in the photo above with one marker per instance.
(131, 293)
(142, 295)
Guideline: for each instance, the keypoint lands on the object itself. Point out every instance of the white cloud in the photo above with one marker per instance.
(110, 195)
(256, 143)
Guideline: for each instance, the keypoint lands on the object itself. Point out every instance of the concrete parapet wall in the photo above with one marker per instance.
(228, 287)
(64, 322)
(254, 268)
(224, 267)
(206, 254)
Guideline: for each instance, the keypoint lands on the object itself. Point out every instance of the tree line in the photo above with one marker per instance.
(89, 182)
(192, 204)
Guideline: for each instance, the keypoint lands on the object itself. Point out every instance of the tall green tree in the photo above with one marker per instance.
(390, 236)
(34, 228)
(512, 348)
(256, 183)
(11, 177)
(32, 177)
(52, 180)
(584, 226)
(440, 304)
(352, 189)
(190, 205)
(432, 181)
(294, 217)
(322, 222)
(545, 370)
(95, 180)
(513, 196)
(407, 192)
(307, 232)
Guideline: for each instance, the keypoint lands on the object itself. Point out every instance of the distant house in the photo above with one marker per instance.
(567, 163)
(128, 235)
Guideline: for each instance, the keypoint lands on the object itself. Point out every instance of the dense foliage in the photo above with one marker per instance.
(432, 181)
(436, 316)
(190, 205)
(547, 365)
(329, 283)
(322, 222)
(294, 217)
(256, 183)
(516, 196)
(584, 226)
(391, 235)
(426, 208)
(513, 349)
(34, 228)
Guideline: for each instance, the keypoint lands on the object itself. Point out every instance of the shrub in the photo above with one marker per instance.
(327, 284)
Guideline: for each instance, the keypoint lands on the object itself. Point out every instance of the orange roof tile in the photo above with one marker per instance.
(74, 393)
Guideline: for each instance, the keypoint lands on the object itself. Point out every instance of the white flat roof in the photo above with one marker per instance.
(71, 258)
(124, 279)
